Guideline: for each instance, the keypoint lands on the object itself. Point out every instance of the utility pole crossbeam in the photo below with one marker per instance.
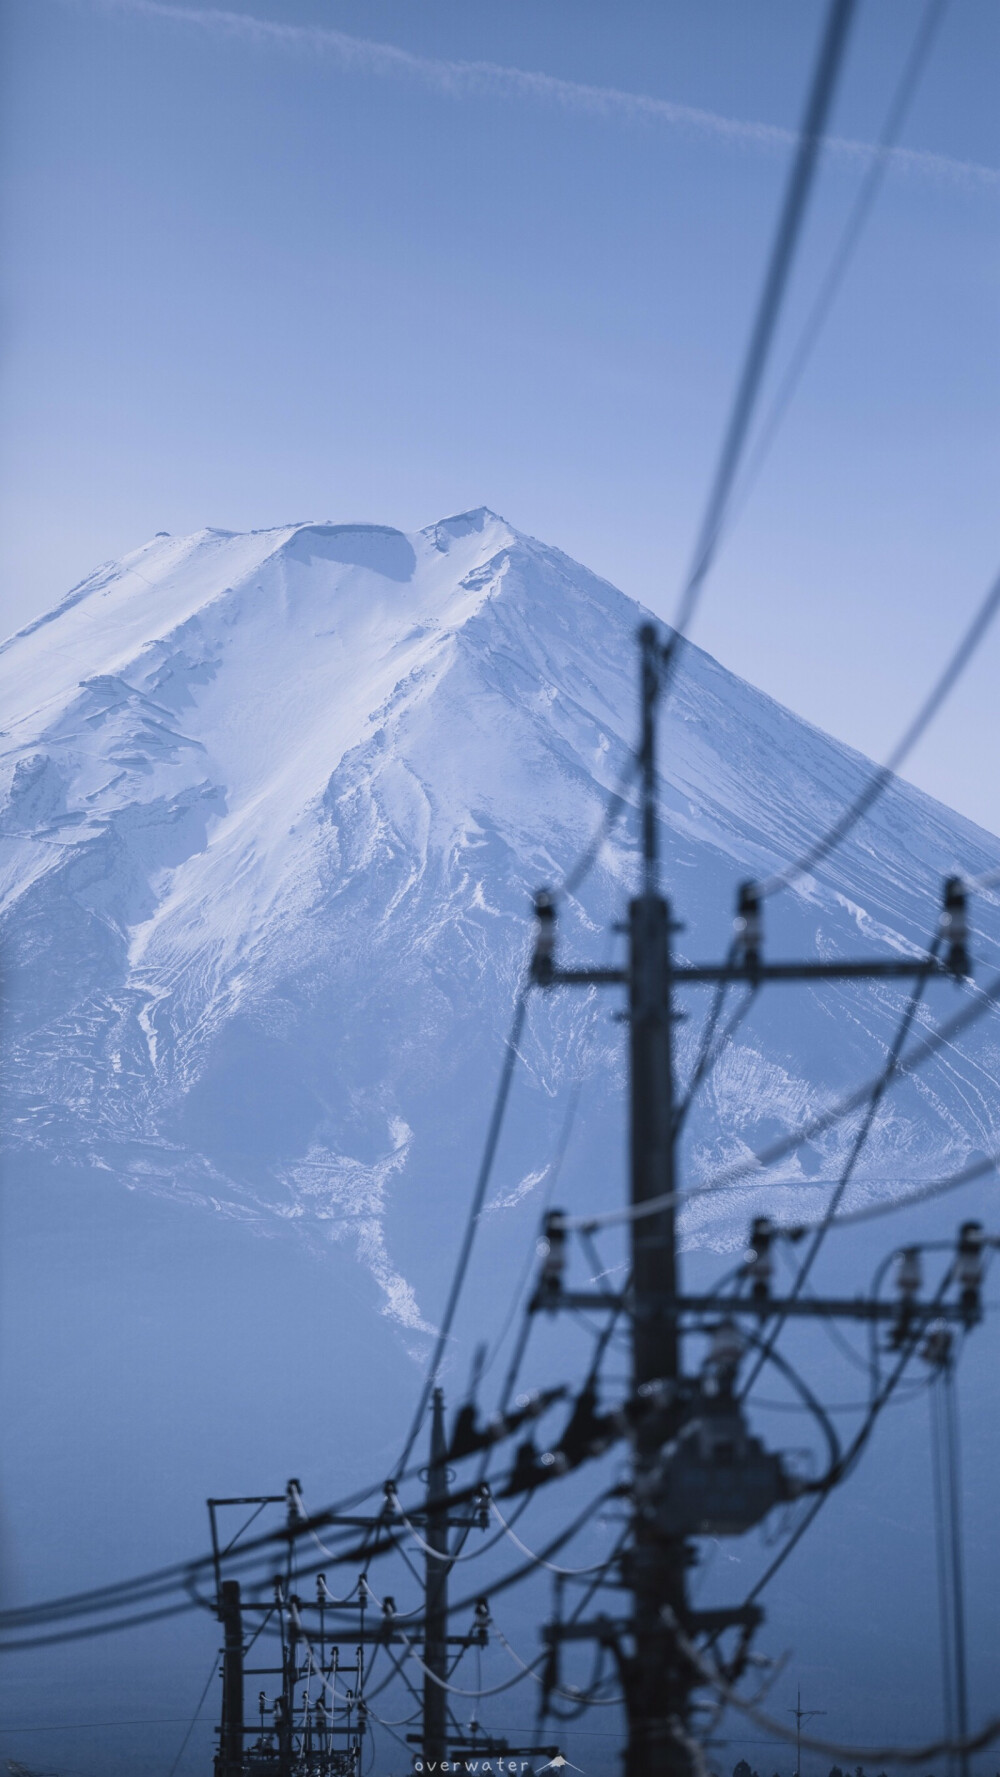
(763, 1308)
(742, 974)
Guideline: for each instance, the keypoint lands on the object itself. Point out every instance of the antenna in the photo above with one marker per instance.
(801, 1715)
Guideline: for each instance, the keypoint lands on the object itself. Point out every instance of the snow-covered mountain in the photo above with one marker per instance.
(273, 807)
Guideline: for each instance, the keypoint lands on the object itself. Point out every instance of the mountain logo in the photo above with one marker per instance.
(557, 1764)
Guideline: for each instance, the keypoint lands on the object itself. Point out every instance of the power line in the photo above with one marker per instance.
(47, 1612)
(472, 1222)
(74, 1727)
(968, 1175)
(824, 83)
(989, 879)
(769, 306)
(88, 1633)
(878, 1755)
(553, 1172)
(539, 1560)
(790, 221)
(123, 1593)
(875, 1097)
(843, 252)
(730, 1176)
(711, 1051)
(878, 1405)
(193, 1722)
(617, 798)
(185, 1575)
(883, 775)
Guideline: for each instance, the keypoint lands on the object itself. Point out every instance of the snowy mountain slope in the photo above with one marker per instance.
(273, 807)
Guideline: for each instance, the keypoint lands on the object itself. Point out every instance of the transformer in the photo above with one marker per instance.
(713, 1478)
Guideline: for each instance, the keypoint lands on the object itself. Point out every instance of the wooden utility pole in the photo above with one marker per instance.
(435, 1722)
(801, 1715)
(231, 1738)
(657, 1683)
(671, 1409)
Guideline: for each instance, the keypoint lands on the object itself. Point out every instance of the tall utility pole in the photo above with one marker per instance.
(801, 1715)
(696, 1470)
(231, 1739)
(435, 1722)
(655, 1679)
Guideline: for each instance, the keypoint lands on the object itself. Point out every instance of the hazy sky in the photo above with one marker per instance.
(387, 259)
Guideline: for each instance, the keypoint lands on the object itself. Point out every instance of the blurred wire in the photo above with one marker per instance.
(883, 775)
(194, 1719)
(843, 253)
(472, 1221)
(839, 17)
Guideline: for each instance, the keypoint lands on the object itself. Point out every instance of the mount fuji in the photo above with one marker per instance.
(273, 807)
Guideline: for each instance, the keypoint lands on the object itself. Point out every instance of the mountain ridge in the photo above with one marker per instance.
(274, 804)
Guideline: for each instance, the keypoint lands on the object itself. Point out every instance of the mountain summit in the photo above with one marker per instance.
(273, 806)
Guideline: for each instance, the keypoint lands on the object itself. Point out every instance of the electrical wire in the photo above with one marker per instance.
(558, 1542)
(553, 1171)
(709, 1052)
(875, 1097)
(883, 775)
(848, 1462)
(828, 1325)
(515, 1575)
(387, 1543)
(452, 1560)
(799, 185)
(768, 1406)
(976, 1169)
(815, 1407)
(379, 1603)
(193, 1601)
(194, 1719)
(296, 1492)
(617, 798)
(550, 1566)
(586, 1702)
(878, 1755)
(457, 1690)
(122, 1594)
(839, 17)
(987, 880)
(23, 1644)
(730, 1176)
(842, 255)
(390, 1729)
(475, 1211)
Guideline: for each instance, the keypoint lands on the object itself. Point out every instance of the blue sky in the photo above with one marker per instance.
(312, 258)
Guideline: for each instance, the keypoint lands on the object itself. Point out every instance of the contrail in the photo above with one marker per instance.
(464, 79)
